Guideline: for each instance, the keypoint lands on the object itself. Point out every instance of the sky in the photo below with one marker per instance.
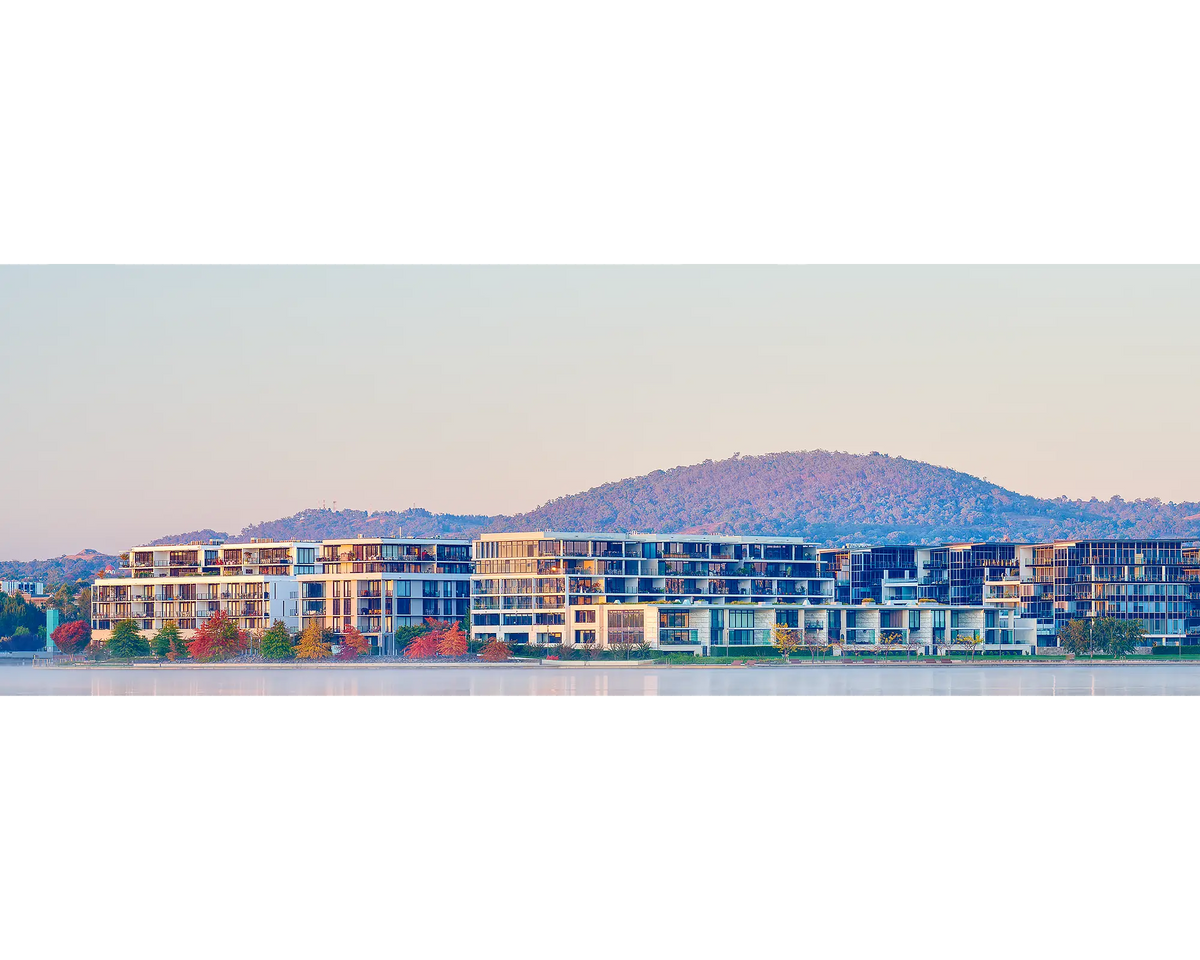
(144, 401)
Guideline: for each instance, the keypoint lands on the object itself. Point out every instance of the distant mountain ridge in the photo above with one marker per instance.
(826, 496)
(836, 497)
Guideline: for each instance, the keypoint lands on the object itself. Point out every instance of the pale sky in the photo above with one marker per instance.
(139, 402)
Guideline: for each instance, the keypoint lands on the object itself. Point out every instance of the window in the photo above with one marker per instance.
(585, 636)
(788, 618)
(914, 619)
(741, 619)
(626, 626)
(585, 616)
(672, 618)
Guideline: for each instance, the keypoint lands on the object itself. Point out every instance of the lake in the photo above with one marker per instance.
(1076, 679)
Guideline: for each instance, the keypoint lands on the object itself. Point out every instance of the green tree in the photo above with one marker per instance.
(1076, 636)
(167, 639)
(277, 642)
(1125, 636)
(83, 604)
(127, 641)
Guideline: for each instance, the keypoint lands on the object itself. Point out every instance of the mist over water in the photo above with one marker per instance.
(865, 680)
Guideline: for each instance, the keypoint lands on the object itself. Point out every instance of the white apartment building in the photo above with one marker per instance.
(378, 585)
(698, 593)
(253, 583)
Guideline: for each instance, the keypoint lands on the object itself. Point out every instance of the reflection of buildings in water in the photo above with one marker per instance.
(650, 685)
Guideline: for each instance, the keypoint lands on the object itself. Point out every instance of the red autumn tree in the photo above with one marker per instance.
(352, 645)
(495, 651)
(217, 639)
(426, 645)
(453, 642)
(69, 637)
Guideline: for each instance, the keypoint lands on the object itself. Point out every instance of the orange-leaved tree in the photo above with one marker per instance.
(353, 645)
(311, 645)
(453, 642)
(426, 645)
(495, 650)
(217, 638)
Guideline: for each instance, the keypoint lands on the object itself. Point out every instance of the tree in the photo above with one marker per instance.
(83, 604)
(496, 651)
(69, 637)
(425, 646)
(166, 639)
(217, 639)
(126, 641)
(973, 641)
(1124, 636)
(624, 646)
(889, 639)
(404, 636)
(311, 644)
(453, 643)
(1076, 636)
(353, 645)
(277, 642)
(913, 643)
(786, 639)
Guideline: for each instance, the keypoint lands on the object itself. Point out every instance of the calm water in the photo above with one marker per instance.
(862, 680)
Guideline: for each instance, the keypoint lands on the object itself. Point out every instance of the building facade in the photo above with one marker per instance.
(952, 573)
(701, 594)
(380, 585)
(1191, 571)
(549, 587)
(253, 583)
(1153, 581)
(29, 588)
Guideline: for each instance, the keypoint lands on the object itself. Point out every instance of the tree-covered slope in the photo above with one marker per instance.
(840, 496)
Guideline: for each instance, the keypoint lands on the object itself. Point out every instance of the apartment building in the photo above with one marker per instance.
(285, 558)
(253, 583)
(1156, 581)
(952, 573)
(550, 587)
(378, 585)
(29, 588)
(699, 594)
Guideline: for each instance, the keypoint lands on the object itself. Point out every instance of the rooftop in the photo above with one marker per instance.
(673, 537)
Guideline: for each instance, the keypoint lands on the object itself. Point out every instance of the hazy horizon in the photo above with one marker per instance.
(145, 401)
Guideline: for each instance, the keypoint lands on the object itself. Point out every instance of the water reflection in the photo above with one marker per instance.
(858, 680)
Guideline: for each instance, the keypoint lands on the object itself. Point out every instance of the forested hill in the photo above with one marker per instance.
(321, 524)
(56, 570)
(824, 496)
(841, 497)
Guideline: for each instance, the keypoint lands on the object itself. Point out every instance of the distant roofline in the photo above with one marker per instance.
(299, 543)
(614, 535)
